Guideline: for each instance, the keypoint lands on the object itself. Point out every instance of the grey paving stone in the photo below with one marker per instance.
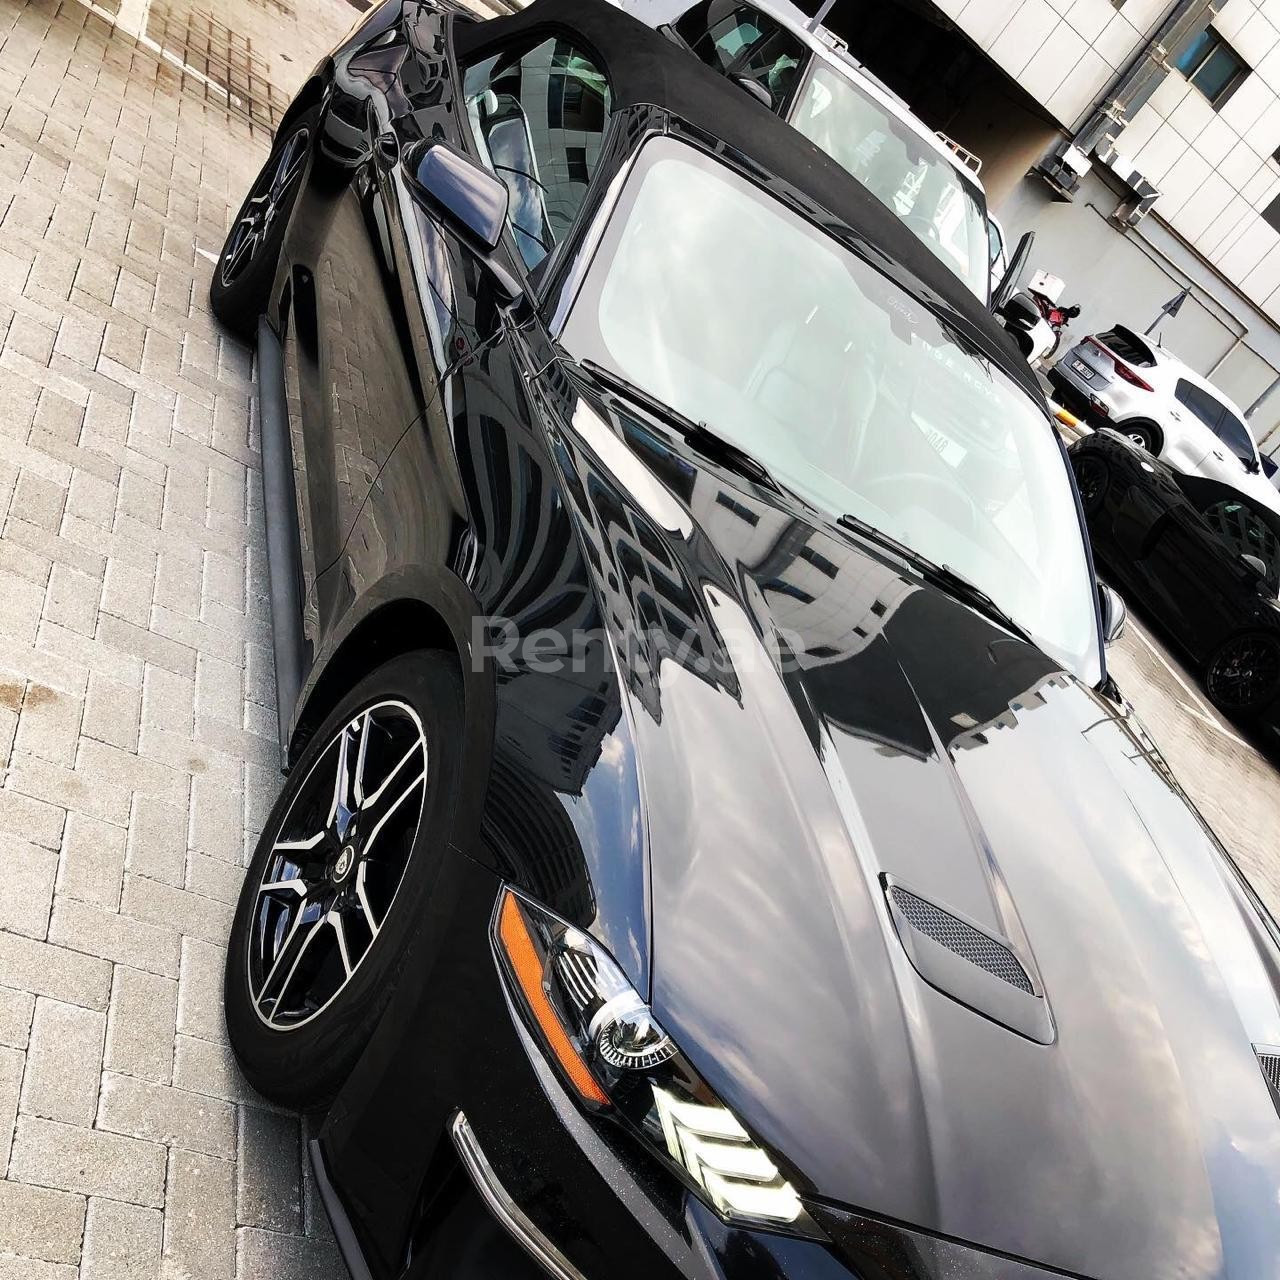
(16, 1011)
(45, 969)
(158, 840)
(200, 1216)
(200, 990)
(91, 865)
(88, 1161)
(28, 893)
(12, 1062)
(116, 937)
(38, 1223)
(269, 1171)
(143, 1109)
(64, 1063)
(268, 1255)
(141, 1025)
(121, 1241)
(13, 1267)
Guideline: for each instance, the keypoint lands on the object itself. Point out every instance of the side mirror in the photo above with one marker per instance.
(470, 197)
(755, 89)
(1113, 613)
(1255, 564)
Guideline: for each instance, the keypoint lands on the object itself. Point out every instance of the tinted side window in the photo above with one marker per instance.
(740, 41)
(538, 117)
(1203, 405)
(1246, 532)
(1235, 435)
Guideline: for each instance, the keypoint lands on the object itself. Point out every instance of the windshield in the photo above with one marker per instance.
(900, 168)
(724, 304)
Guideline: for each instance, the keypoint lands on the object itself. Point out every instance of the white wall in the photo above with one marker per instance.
(1063, 52)
(1215, 169)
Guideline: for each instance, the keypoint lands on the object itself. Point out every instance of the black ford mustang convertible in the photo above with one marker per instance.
(711, 845)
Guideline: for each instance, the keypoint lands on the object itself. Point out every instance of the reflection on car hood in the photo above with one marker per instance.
(912, 741)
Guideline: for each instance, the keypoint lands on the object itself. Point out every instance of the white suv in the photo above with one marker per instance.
(1120, 380)
(808, 77)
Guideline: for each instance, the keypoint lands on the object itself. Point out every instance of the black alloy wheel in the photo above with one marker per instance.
(338, 880)
(1092, 479)
(246, 267)
(1244, 674)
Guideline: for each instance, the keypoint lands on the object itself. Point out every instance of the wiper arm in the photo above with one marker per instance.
(698, 434)
(939, 575)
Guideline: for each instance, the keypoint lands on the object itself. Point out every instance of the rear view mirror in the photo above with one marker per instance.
(1113, 613)
(471, 198)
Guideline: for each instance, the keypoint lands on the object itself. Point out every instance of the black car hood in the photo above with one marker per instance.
(814, 725)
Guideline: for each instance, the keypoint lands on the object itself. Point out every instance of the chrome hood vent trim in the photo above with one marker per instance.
(1269, 1061)
(967, 942)
(962, 960)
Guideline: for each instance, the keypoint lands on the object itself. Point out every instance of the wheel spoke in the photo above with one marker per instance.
(293, 968)
(341, 808)
(336, 921)
(298, 886)
(309, 843)
(294, 930)
(373, 799)
(357, 789)
(363, 895)
(290, 165)
(390, 811)
(244, 249)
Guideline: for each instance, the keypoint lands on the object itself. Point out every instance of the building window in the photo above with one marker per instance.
(1213, 66)
(1271, 214)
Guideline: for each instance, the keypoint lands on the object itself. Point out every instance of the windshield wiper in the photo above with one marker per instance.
(707, 442)
(939, 575)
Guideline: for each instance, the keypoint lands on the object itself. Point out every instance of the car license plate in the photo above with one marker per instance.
(1083, 370)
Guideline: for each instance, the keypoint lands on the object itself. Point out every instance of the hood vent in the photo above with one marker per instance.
(959, 937)
(970, 965)
(1270, 1064)
(1269, 1061)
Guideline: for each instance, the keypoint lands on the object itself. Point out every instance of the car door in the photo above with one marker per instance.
(1196, 563)
(466, 478)
(1196, 447)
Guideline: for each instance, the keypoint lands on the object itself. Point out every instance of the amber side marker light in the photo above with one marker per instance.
(526, 966)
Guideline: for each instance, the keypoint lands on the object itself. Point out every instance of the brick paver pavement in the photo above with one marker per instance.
(137, 725)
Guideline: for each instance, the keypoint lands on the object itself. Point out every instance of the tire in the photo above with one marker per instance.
(1143, 434)
(1092, 480)
(246, 268)
(1243, 675)
(302, 993)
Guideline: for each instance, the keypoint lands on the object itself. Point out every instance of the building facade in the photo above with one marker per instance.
(1137, 138)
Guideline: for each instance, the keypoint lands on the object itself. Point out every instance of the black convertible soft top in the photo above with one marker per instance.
(645, 68)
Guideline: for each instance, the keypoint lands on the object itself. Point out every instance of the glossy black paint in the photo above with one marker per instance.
(1148, 529)
(723, 813)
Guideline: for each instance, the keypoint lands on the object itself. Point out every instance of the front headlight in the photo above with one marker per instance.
(604, 1039)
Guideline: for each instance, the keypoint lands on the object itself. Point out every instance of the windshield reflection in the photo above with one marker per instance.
(733, 310)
